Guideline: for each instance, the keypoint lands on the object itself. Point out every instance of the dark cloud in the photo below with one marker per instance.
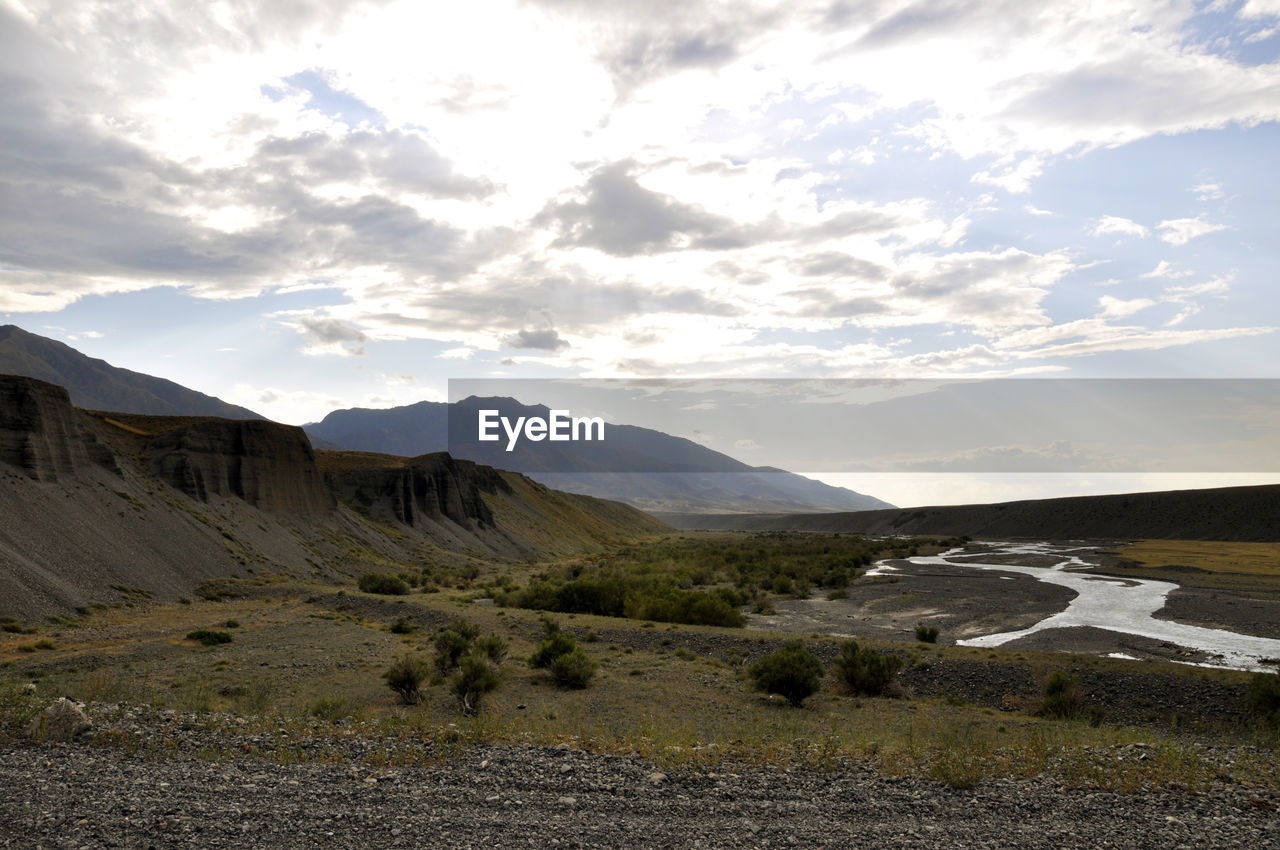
(837, 264)
(822, 302)
(621, 217)
(333, 332)
(399, 159)
(544, 340)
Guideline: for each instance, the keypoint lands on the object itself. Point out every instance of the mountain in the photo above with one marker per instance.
(103, 507)
(1225, 513)
(640, 466)
(97, 385)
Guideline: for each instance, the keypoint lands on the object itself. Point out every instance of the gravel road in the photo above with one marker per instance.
(80, 795)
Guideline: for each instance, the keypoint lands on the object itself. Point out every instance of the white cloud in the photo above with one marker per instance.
(1166, 269)
(1123, 226)
(1208, 192)
(1031, 209)
(1118, 307)
(1180, 231)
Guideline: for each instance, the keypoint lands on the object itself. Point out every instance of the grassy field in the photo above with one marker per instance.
(307, 660)
(1251, 569)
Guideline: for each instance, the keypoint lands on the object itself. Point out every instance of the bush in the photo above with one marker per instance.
(450, 645)
(557, 644)
(865, 671)
(383, 583)
(1062, 696)
(926, 634)
(208, 637)
(232, 624)
(573, 669)
(474, 679)
(405, 678)
(492, 646)
(401, 626)
(793, 672)
(1263, 699)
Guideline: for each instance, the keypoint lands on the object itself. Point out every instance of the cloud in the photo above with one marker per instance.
(1116, 224)
(1118, 307)
(544, 340)
(1180, 231)
(1208, 192)
(1166, 269)
(330, 336)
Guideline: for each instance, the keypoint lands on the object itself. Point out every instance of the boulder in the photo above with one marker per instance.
(63, 720)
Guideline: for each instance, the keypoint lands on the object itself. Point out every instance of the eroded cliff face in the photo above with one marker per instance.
(434, 487)
(268, 465)
(43, 435)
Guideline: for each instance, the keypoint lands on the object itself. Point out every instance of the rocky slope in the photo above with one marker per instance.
(1228, 513)
(95, 508)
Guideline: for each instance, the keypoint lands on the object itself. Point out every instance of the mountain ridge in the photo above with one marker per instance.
(95, 384)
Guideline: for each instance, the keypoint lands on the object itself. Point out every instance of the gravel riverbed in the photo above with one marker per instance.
(80, 794)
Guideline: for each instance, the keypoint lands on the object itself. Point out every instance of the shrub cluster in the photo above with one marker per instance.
(405, 677)
(864, 670)
(559, 653)
(209, 637)
(792, 672)
(635, 597)
(383, 583)
(1061, 697)
(926, 633)
(1263, 699)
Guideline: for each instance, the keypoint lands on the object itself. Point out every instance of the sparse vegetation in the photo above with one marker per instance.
(451, 643)
(793, 672)
(926, 633)
(864, 671)
(209, 637)
(1061, 696)
(383, 583)
(573, 669)
(474, 679)
(1263, 699)
(402, 626)
(405, 677)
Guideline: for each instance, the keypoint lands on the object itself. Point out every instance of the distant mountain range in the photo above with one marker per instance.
(1224, 513)
(97, 385)
(639, 466)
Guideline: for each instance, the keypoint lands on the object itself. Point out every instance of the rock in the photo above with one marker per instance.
(63, 720)
(657, 778)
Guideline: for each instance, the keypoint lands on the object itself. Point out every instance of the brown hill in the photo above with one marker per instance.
(1228, 513)
(95, 506)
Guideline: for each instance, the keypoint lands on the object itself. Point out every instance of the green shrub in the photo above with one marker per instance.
(232, 624)
(332, 708)
(474, 679)
(573, 669)
(405, 677)
(1263, 699)
(557, 644)
(864, 670)
(382, 583)
(1062, 696)
(792, 672)
(401, 626)
(208, 637)
(492, 646)
(450, 646)
(926, 633)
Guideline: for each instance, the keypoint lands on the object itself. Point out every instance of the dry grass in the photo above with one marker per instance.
(294, 660)
(1252, 569)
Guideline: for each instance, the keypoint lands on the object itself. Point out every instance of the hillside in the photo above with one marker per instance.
(1229, 513)
(643, 467)
(96, 508)
(96, 384)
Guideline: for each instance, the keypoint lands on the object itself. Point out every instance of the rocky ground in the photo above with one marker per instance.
(189, 792)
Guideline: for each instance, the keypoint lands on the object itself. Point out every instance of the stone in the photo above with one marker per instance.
(63, 720)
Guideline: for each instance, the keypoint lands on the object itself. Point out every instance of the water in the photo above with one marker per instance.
(1122, 605)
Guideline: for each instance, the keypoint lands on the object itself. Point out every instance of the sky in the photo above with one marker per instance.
(302, 206)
